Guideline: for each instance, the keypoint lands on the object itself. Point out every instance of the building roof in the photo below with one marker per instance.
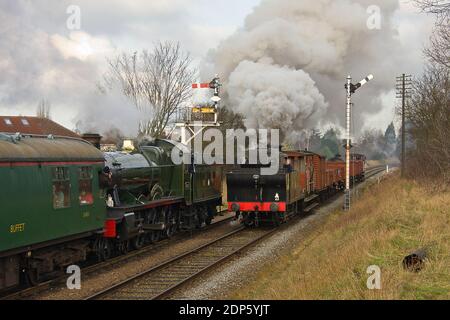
(34, 125)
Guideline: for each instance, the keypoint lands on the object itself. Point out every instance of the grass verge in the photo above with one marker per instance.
(387, 222)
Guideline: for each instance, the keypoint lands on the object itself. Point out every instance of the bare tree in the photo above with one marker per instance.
(439, 49)
(438, 7)
(43, 109)
(157, 81)
(428, 118)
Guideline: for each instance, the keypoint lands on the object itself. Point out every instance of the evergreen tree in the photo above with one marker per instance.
(390, 135)
(315, 140)
(330, 143)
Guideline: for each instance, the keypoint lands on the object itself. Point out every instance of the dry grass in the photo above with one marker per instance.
(395, 218)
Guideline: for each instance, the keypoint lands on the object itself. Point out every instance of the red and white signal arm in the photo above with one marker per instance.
(201, 95)
(200, 86)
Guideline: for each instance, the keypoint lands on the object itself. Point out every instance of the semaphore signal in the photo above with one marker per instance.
(351, 89)
(192, 127)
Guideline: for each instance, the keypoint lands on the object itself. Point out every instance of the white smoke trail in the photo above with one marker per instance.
(290, 53)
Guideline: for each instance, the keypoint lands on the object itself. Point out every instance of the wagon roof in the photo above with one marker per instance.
(300, 153)
(39, 148)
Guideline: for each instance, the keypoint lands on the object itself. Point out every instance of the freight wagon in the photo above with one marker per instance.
(304, 179)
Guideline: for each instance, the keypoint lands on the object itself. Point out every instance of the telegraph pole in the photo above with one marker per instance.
(403, 92)
(351, 88)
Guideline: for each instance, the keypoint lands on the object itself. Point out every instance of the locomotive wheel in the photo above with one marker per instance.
(248, 223)
(103, 249)
(124, 247)
(198, 219)
(171, 223)
(31, 277)
(275, 221)
(138, 241)
(203, 216)
(211, 213)
(106, 250)
(195, 220)
(155, 236)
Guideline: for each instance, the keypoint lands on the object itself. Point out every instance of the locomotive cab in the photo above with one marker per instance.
(260, 199)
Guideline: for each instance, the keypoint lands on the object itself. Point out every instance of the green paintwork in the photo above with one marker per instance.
(27, 215)
(26, 188)
(175, 180)
(207, 182)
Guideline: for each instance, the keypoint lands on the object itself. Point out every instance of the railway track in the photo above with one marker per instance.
(160, 281)
(33, 291)
(370, 172)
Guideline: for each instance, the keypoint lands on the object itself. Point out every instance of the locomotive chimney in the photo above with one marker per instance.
(93, 138)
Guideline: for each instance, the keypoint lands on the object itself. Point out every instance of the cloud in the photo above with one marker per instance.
(41, 58)
(81, 46)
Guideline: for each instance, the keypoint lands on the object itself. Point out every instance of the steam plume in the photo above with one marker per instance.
(287, 66)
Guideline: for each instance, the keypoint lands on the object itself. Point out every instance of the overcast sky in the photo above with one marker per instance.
(41, 58)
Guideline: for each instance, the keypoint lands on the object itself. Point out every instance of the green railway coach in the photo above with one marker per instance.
(49, 195)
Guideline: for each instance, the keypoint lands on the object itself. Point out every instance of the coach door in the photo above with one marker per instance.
(309, 175)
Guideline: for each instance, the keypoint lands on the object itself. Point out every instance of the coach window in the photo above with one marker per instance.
(61, 188)
(85, 186)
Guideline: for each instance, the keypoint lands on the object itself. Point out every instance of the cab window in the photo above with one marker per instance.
(85, 186)
(61, 187)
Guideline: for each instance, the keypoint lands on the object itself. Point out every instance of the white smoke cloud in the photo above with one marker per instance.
(326, 40)
(270, 96)
(41, 58)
